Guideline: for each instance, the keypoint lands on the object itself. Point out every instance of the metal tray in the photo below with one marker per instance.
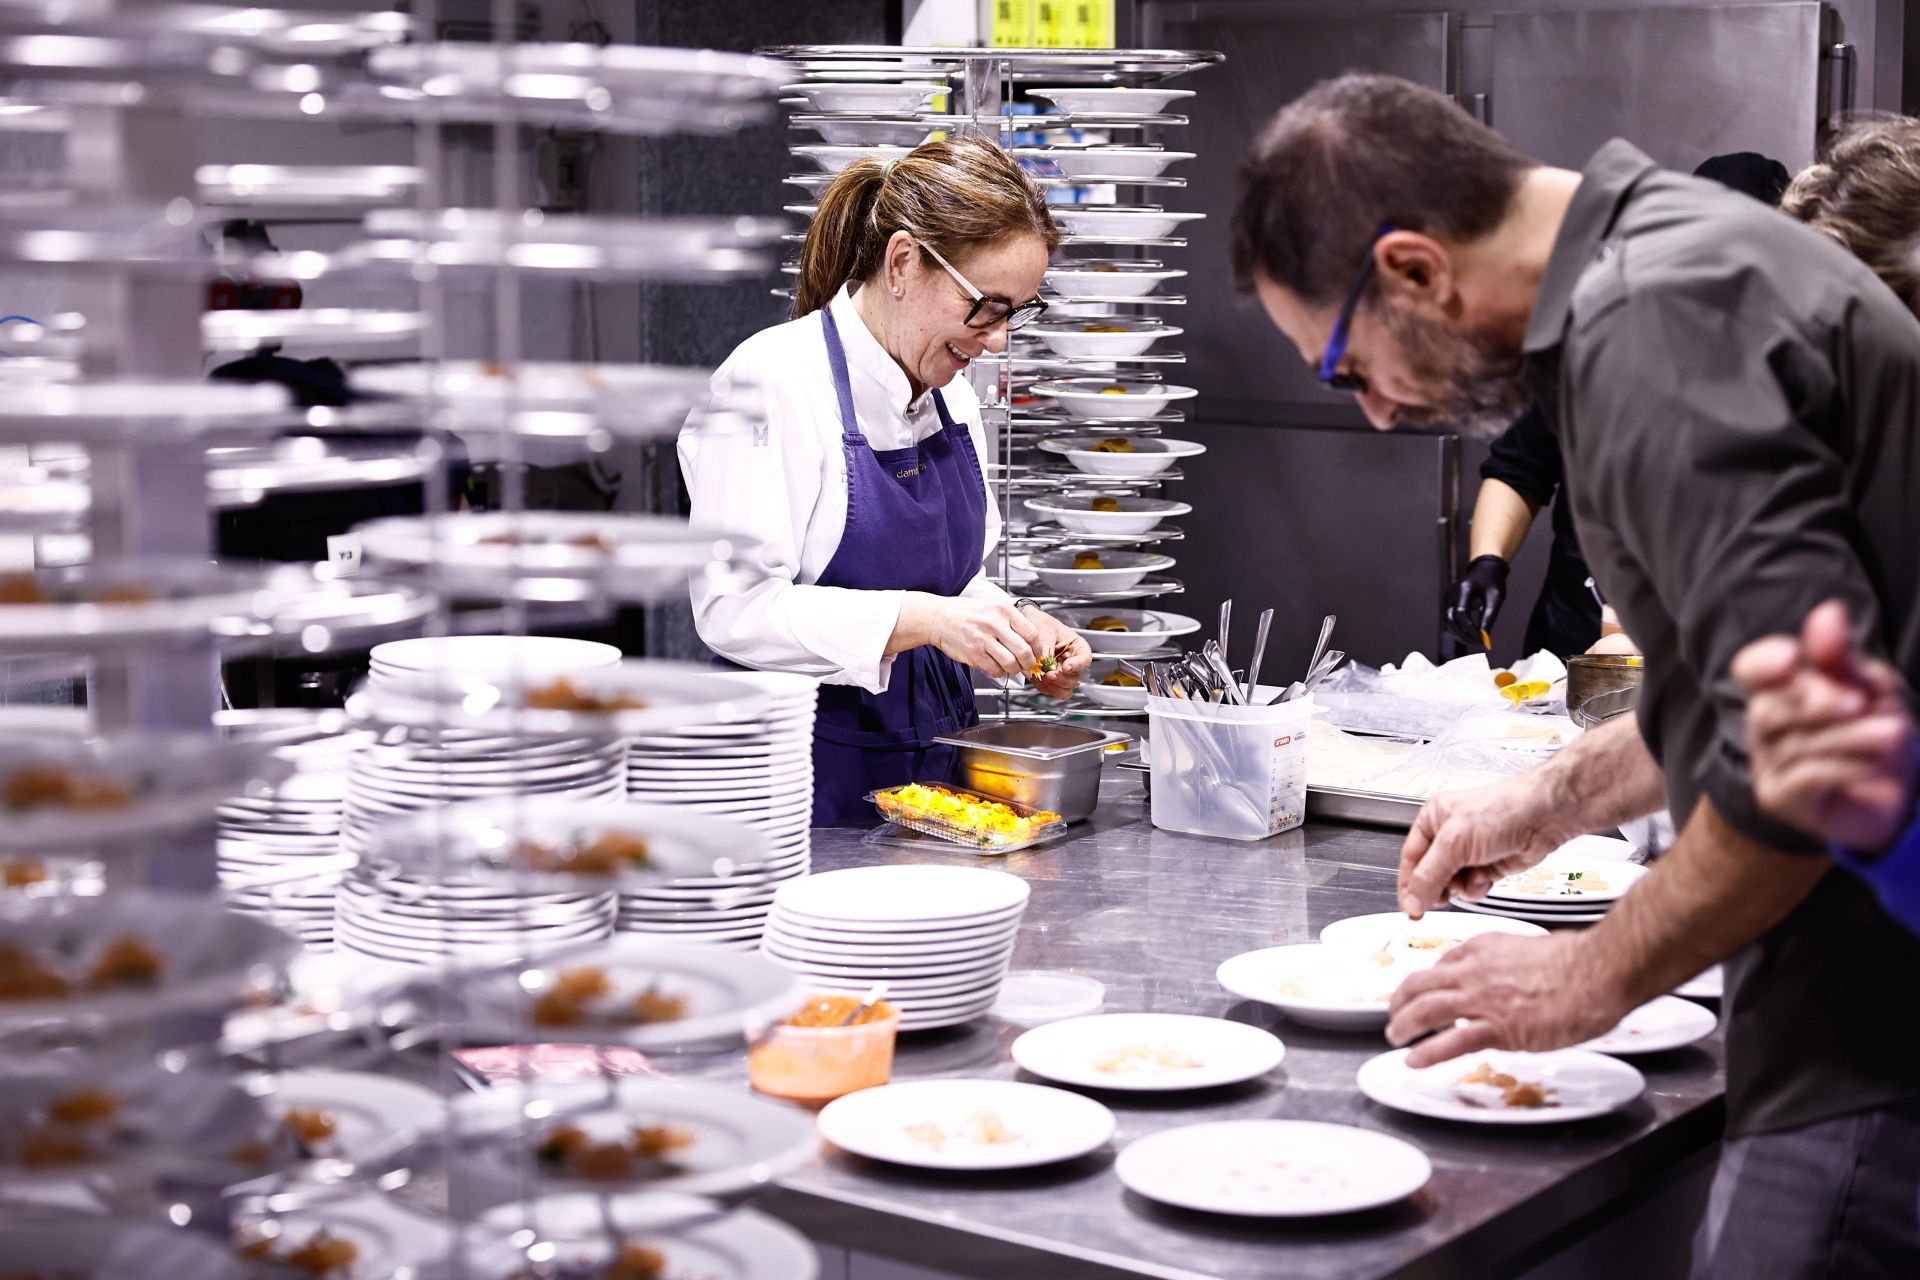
(1373, 807)
(931, 825)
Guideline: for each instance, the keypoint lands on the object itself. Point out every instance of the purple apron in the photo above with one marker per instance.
(916, 521)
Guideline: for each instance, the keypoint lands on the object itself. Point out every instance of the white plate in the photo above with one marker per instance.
(728, 996)
(1041, 1125)
(1582, 1084)
(1533, 915)
(1663, 1023)
(742, 1245)
(495, 656)
(838, 159)
(884, 944)
(1347, 988)
(1369, 933)
(391, 1238)
(893, 948)
(1094, 398)
(93, 1246)
(886, 898)
(1093, 338)
(1107, 280)
(1708, 985)
(1147, 628)
(209, 955)
(1111, 162)
(897, 98)
(1112, 102)
(1120, 570)
(1570, 877)
(1149, 457)
(1148, 1052)
(1134, 515)
(372, 1114)
(1119, 222)
(674, 694)
(1273, 1168)
(742, 1142)
(1125, 697)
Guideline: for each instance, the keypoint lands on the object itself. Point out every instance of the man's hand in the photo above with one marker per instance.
(1474, 602)
(1497, 991)
(1833, 742)
(1463, 841)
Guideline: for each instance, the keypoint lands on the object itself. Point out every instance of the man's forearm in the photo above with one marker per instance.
(1605, 777)
(1501, 518)
(1712, 893)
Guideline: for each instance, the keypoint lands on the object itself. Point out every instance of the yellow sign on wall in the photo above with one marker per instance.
(1012, 24)
(1073, 24)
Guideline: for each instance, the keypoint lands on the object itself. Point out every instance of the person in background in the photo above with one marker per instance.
(1737, 400)
(865, 492)
(1523, 474)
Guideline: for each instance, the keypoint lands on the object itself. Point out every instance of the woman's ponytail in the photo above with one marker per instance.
(840, 236)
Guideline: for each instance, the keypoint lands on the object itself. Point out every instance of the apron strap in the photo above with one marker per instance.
(842, 380)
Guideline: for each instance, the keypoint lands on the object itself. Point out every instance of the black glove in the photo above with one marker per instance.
(1474, 601)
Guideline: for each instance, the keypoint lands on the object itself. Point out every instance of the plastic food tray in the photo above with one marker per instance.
(946, 829)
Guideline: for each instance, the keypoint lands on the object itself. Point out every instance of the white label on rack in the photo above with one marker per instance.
(343, 552)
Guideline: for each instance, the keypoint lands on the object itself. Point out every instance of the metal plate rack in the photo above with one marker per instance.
(1104, 163)
(133, 452)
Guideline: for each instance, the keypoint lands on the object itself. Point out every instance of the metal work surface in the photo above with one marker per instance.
(1151, 913)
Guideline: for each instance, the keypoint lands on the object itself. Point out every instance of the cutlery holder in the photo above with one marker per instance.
(1235, 772)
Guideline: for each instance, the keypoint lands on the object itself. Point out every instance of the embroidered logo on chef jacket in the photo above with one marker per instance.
(908, 474)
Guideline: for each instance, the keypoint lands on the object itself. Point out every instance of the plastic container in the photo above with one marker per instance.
(1030, 997)
(960, 832)
(1235, 772)
(815, 1065)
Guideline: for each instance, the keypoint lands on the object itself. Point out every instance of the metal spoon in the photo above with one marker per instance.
(1326, 634)
(1223, 675)
(1226, 616)
(874, 995)
(1259, 652)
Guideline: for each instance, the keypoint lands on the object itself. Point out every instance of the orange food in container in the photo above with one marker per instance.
(811, 1058)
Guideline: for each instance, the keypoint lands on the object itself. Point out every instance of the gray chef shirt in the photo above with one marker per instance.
(1738, 401)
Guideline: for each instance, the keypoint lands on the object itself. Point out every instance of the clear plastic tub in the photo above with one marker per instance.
(974, 832)
(1236, 772)
(815, 1065)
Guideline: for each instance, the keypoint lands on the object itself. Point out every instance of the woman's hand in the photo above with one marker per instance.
(1053, 637)
(991, 635)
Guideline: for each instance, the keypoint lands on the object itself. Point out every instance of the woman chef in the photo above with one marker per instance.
(866, 488)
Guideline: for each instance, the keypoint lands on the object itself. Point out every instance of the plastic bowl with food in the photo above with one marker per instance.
(1111, 101)
(1106, 162)
(1094, 398)
(817, 1055)
(1103, 337)
(1119, 222)
(1107, 685)
(1123, 455)
(1126, 631)
(1077, 572)
(1107, 513)
(835, 159)
(1100, 279)
(872, 98)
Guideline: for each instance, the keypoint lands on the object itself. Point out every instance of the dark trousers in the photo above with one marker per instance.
(1831, 1201)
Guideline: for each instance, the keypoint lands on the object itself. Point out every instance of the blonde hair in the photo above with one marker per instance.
(957, 196)
(1864, 193)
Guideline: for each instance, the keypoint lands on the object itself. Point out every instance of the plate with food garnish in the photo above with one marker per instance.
(1273, 1168)
(1120, 224)
(57, 1247)
(73, 1118)
(1661, 1024)
(600, 702)
(1123, 632)
(1503, 1088)
(1148, 1052)
(1108, 278)
(626, 1134)
(1113, 397)
(1103, 337)
(110, 604)
(1570, 877)
(494, 553)
(338, 1239)
(1107, 513)
(559, 844)
(350, 1119)
(650, 1236)
(1433, 934)
(967, 1125)
(1341, 988)
(58, 792)
(128, 955)
(1122, 455)
(1075, 572)
(629, 990)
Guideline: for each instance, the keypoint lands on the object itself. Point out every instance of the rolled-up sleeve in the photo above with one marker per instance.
(763, 485)
(1526, 458)
(1700, 449)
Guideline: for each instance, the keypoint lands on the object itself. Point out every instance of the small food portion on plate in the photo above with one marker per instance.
(977, 1128)
(1487, 1086)
(564, 695)
(322, 1254)
(587, 994)
(604, 854)
(125, 962)
(569, 1151)
(33, 787)
(1143, 1057)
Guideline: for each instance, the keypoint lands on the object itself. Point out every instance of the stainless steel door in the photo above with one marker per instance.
(1680, 83)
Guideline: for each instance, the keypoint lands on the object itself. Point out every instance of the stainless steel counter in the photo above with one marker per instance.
(1151, 913)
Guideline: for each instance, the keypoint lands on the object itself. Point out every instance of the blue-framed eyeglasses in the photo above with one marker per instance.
(1331, 375)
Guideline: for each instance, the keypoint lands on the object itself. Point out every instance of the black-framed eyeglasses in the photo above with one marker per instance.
(989, 311)
(1332, 377)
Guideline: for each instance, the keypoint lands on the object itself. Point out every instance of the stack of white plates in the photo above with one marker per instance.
(401, 664)
(1575, 884)
(279, 848)
(411, 921)
(758, 772)
(940, 937)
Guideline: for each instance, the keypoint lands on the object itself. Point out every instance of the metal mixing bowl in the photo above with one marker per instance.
(1603, 685)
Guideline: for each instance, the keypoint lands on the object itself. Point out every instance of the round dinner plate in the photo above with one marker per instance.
(1577, 1084)
(114, 1246)
(1148, 1052)
(390, 1237)
(1372, 932)
(369, 1112)
(1710, 984)
(1335, 987)
(1663, 1023)
(1568, 878)
(1529, 914)
(879, 898)
(690, 1233)
(966, 1124)
(881, 941)
(1273, 1168)
(890, 952)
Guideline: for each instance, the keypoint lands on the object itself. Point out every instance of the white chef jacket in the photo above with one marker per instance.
(787, 486)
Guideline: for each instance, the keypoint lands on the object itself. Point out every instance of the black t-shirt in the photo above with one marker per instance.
(1526, 458)
(1738, 403)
